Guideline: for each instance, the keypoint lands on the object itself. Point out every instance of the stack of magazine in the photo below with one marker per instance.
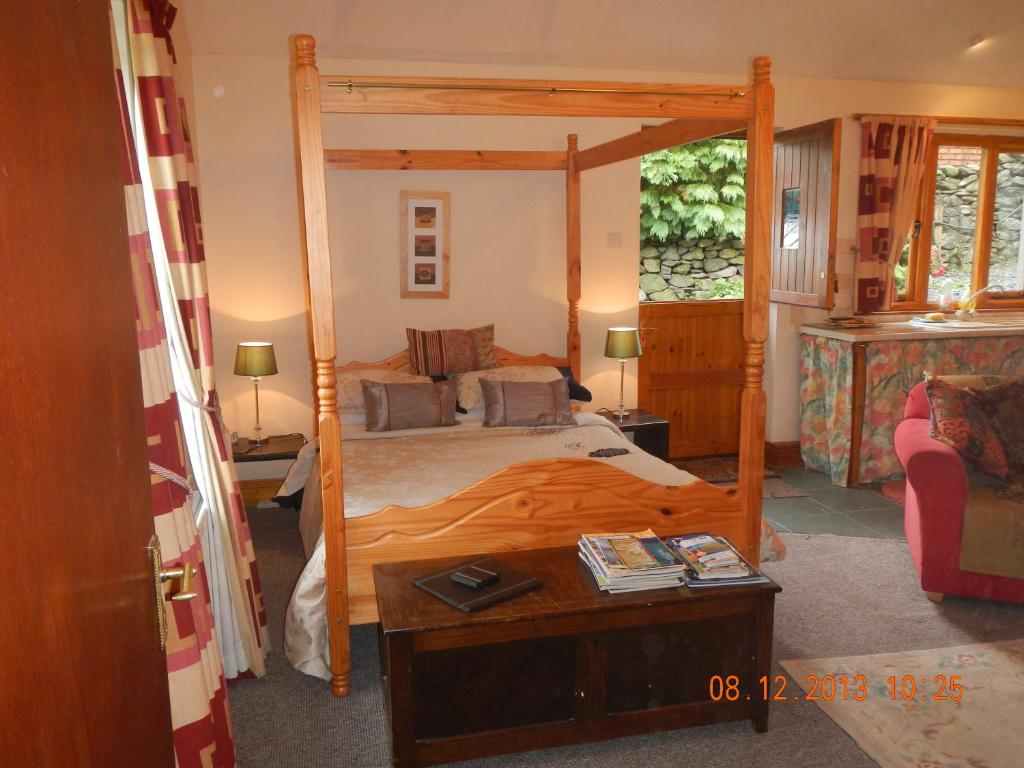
(629, 562)
(712, 561)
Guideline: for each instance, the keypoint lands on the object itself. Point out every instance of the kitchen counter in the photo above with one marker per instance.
(907, 331)
(854, 384)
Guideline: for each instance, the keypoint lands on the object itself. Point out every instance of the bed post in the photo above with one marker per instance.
(309, 121)
(572, 255)
(757, 280)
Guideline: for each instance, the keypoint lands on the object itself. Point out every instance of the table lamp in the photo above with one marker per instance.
(255, 359)
(623, 343)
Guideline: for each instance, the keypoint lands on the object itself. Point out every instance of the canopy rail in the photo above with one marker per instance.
(442, 160)
(680, 131)
(340, 94)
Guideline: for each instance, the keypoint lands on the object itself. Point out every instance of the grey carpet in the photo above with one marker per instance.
(841, 596)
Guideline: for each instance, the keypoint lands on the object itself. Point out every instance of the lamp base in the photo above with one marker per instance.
(621, 413)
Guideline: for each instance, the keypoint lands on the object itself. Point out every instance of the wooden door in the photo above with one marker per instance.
(83, 681)
(691, 373)
(804, 214)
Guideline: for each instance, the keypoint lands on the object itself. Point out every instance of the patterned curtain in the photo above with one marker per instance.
(893, 156)
(237, 598)
(199, 707)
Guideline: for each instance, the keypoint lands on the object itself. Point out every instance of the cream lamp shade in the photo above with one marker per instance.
(255, 358)
(623, 343)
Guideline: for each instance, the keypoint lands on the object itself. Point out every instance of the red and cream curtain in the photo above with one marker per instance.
(893, 157)
(199, 707)
(181, 270)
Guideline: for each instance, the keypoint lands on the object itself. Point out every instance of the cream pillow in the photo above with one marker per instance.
(470, 394)
(350, 391)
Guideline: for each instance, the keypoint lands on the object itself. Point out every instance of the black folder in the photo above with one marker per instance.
(510, 583)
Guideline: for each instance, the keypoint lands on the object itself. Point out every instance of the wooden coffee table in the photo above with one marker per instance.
(564, 664)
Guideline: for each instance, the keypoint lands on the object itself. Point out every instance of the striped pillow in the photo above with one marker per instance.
(439, 353)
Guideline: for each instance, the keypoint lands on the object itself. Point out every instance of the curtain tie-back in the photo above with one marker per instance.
(197, 404)
(172, 476)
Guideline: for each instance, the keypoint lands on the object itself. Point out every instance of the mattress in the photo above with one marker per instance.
(412, 468)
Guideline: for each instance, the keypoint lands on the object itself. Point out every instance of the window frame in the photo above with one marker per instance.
(916, 297)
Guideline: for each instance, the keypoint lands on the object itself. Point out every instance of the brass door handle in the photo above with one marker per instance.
(185, 588)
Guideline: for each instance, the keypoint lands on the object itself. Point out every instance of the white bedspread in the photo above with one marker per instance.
(412, 468)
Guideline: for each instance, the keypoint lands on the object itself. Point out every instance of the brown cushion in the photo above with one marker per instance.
(1004, 407)
(408, 406)
(439, 353)
(526, 403)
(959, 420)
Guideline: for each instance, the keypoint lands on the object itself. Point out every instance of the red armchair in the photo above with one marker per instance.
(934, 512)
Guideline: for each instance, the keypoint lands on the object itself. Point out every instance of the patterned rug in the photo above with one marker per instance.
(777, 488)
(717, 470)
(956, 707)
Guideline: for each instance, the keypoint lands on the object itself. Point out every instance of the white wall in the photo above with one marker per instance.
(508, 237)
(508, 229)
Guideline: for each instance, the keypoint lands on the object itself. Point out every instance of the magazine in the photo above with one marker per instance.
(713, 561)
(626, 562)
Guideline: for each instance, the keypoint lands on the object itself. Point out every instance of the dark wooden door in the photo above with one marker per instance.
(804, 214)
(83, 681)
(691, 373)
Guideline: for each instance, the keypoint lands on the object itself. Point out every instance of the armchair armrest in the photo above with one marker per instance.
(917, 406)
(936, 496)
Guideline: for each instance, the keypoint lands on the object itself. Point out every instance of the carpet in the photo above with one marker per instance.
(290, 720)
(717, 470)
(952, 707)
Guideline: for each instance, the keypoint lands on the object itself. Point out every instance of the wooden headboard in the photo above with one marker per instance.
(504, 357)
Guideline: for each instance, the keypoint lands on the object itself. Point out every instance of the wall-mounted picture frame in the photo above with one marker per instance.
(425, 252)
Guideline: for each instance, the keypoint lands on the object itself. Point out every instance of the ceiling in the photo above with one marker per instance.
(903, 40)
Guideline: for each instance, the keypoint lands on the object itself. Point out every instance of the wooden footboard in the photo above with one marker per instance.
(530, 505)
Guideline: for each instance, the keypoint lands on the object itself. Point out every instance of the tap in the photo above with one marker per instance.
(966, 311)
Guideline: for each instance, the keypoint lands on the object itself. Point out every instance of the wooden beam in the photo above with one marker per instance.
(1006, 122)
(465, 96)
(442, 160)
(672, 134)
(756, 290)
(309, 124)
(573, 284)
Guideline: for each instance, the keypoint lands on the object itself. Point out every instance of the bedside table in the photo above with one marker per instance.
(274, 448)
(650, 432)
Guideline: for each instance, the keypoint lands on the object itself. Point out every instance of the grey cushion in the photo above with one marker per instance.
(408, 406)
(526, 403)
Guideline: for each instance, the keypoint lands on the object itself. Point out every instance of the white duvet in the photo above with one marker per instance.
(415, 467)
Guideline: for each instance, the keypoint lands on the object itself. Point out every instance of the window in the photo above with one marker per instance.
(968, 230)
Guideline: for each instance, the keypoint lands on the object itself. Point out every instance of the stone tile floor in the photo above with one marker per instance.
(861, 511)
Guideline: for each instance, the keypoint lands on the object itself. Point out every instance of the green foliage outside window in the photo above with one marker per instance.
(694, 191)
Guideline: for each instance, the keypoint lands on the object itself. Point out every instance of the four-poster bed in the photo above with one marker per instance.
(540, 503)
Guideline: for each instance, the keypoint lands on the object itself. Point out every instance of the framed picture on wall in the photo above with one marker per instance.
(425, 249)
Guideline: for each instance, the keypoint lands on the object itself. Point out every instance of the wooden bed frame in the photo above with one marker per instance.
(537, 503)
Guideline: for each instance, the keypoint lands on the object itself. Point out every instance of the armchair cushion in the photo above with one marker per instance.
(1004, 407)
(959, 419)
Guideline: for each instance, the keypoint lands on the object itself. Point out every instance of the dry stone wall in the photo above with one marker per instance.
(691, 269)
(956, 196)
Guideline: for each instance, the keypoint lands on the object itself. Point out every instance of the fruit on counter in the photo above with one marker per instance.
(935, 317)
